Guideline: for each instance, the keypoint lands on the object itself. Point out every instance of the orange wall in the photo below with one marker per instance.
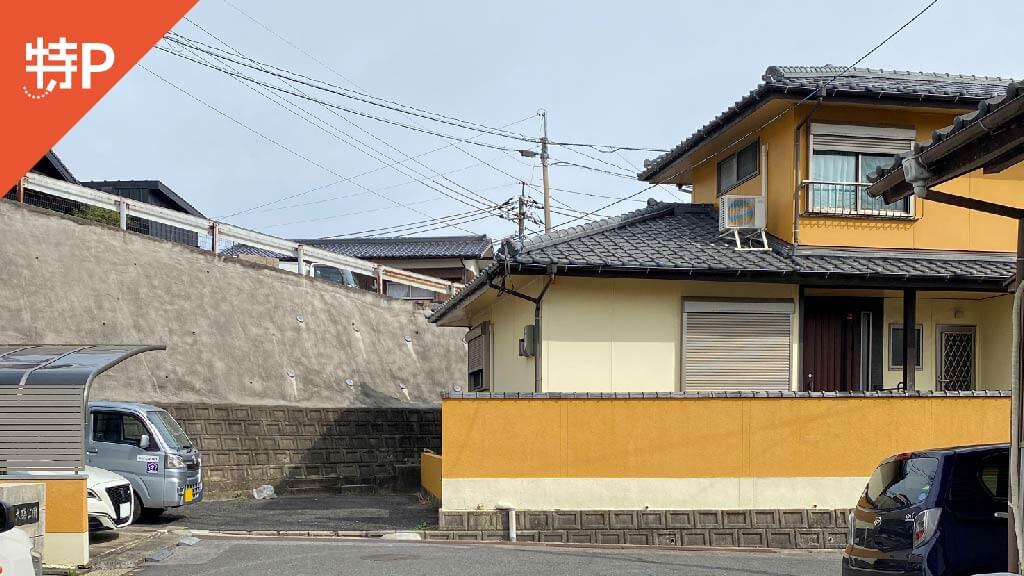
(66, 508)
(936, 227)
(705, 437)
(430, 473)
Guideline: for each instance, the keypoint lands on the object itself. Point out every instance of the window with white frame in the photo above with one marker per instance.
(396, 290)
(842, 158)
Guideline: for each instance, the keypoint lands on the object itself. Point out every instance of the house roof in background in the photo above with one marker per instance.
(52, 166)
(682, 241)
(412, 248)
(856, 83)
(152, 185)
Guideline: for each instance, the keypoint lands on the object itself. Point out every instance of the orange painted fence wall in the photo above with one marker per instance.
(705, 437)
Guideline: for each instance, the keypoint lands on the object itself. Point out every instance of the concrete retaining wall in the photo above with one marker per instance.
(236, 332)
(306, 448)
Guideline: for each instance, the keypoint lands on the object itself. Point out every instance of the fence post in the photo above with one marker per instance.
(301, 259)
(20, 194)
(214, 237)
(122, 211)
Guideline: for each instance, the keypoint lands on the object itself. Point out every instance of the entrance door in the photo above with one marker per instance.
(955, 357)
(839, 343)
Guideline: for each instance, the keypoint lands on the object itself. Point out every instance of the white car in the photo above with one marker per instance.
(110, 499)
(16, 556)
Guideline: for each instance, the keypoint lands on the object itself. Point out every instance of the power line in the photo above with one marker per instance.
(766, 124)
(295, 77)
(345, 78)
(472, 199)
(594, 169)
(264, 136)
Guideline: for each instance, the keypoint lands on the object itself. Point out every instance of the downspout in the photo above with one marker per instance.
(538, 367)
(796, 166)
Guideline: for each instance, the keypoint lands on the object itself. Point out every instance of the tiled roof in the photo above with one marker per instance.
(801, 81)
(973, 119)
(683, 241)
(386, 248)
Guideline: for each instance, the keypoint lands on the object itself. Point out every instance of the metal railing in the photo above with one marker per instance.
(849, 199)
(210, 235)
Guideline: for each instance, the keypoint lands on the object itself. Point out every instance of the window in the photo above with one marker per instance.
(335, 275)
(478, 341)
(733, 345)
(738, 168)
(901, 483)
(117, 428)
(842, 159)
(995, 475)
(396, 290)
(896, 346)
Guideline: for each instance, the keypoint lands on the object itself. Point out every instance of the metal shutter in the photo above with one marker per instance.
(478, 341)
(863, 139)
(739, 349)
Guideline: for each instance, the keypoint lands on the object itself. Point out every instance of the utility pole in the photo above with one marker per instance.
(521, 215)
(544, 167)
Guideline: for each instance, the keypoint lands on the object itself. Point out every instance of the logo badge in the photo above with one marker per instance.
(56, 65)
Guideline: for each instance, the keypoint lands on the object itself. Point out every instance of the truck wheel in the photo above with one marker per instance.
(137, 509)
(152, 513)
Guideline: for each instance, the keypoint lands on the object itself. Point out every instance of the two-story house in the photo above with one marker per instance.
(782, 274)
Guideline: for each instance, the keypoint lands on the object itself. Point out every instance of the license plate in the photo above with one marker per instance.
(188, 495)
(124, 510)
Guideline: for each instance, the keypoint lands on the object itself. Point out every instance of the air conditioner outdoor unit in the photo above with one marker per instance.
(746, 214)
(741, 213)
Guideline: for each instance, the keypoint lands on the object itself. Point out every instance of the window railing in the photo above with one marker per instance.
(850, 199)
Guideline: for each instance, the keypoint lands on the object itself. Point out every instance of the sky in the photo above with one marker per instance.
(642, 74)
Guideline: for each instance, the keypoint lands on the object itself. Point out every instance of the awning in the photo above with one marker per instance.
(44, 390)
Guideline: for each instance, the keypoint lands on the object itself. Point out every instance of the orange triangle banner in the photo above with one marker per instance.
(58, 58)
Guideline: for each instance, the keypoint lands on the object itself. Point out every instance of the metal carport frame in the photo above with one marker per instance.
(44, 392)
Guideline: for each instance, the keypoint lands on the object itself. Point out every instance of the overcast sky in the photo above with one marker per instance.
(639, 73)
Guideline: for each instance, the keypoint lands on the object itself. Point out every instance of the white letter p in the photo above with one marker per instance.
(88, 67)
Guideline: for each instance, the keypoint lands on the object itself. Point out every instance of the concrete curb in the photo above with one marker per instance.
(369, 535)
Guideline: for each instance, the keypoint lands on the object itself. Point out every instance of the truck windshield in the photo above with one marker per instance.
(169, 429)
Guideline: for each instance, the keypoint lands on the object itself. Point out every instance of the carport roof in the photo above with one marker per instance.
(62, 365)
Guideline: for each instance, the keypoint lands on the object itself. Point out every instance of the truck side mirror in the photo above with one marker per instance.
(6, 517)
(144, 441)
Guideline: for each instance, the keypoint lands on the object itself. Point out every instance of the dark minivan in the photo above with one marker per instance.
(935, 512)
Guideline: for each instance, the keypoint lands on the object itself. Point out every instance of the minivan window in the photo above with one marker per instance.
(169, 429)
(995, 475)
(901, 483)
(117, 428)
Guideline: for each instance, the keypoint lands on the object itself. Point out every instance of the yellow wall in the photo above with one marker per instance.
(991, 319)
(604, 334)
(936, 227)
(692, 453)
(71, 515)
(430, 473)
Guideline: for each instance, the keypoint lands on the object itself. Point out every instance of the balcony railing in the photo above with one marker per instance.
(850, 199)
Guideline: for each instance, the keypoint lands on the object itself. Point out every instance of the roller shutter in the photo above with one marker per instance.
(863, 139)
(730, 346)
(478, 341)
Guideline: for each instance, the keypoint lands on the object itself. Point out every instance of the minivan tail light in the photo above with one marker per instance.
(926, 524)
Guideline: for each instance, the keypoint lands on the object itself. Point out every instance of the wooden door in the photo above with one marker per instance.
(832, 346)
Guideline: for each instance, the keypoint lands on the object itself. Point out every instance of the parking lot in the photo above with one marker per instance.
(353, 557)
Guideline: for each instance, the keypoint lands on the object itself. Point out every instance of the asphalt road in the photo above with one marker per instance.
(320, 512)
(215, 557)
